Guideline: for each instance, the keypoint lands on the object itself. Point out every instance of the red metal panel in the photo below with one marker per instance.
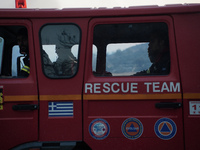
(187, 37)
(60, 90)
(116, 108)
(19, 127)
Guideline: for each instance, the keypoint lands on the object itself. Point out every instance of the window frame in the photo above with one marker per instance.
(78, 50)
(135, 20)
(1, 52)
(12, 28)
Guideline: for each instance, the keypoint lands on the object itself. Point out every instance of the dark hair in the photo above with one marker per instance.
(161, 35)
(22, 31)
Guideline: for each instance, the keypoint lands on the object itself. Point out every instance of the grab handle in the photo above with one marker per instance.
(168, 105)
(25, 107)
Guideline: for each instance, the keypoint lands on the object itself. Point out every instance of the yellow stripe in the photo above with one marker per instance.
(130, 96)
(59, 97)
(42, 97)
(191, 96)
(21, 98)
(1, 98)
(101, 97)
(26, 69)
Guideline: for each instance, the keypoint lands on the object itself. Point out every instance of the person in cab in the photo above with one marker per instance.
(22, 40)
(159, 55)
(66, 63)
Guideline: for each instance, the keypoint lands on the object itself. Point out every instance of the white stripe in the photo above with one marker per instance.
(60, 110)
(64, 107)
(59, 114)
(64, 103)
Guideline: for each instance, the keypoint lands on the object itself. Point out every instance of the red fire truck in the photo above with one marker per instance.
(94, 81)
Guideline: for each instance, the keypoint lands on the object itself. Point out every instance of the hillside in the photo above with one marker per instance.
(130, 60)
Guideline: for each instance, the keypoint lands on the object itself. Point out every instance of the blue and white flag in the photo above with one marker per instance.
(60, 109)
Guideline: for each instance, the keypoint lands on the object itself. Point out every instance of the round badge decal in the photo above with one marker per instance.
(165, 128)
(132, 128)
(99, 129)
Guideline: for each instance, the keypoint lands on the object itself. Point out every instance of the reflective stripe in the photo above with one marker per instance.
(191, 96)
(14, 98)
(148, 71)
(26, 69)
(131, 96)
(101, 97)
(59, 97)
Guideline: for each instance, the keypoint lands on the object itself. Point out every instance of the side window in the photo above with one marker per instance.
(59, 48)
(14, 52)
(137, 49)
(1, 52)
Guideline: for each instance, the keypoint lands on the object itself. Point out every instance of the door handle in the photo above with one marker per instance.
(25, 107)
(168, 105)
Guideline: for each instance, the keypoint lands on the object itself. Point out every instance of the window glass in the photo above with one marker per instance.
(1, 51)
(60, 47)
(138, 49)
(14, 52)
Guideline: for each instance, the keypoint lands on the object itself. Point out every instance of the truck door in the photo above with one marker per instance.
(60, 63)
(132, 95)
(188, 49)
(18, 84)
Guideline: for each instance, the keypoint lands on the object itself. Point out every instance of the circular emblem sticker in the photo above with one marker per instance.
(132, 128)
(165, 128)
(99, 129)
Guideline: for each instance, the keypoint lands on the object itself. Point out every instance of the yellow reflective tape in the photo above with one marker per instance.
(130, 96)
(101, 97)
(20, 98)
(42, 97)
(1, 107)
(59, 97)
(26, 69)
(1, 98)
(148, 71)
(191, 96)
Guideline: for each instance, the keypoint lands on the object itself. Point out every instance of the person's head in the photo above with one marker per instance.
(64, 52)
(60, 50)
(22, 40)
(158, 45)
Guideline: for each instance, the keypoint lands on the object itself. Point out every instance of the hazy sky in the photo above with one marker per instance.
(91, 3)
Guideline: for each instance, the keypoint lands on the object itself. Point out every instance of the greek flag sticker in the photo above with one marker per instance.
(61, 109)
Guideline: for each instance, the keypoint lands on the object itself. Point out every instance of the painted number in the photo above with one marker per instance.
(194, 107)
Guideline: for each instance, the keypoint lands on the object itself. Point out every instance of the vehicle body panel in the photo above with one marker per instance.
(104, 99)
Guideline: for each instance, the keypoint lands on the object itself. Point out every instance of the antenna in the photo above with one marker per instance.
(20, 4)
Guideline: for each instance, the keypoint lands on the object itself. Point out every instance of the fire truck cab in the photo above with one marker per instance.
(120, 78)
